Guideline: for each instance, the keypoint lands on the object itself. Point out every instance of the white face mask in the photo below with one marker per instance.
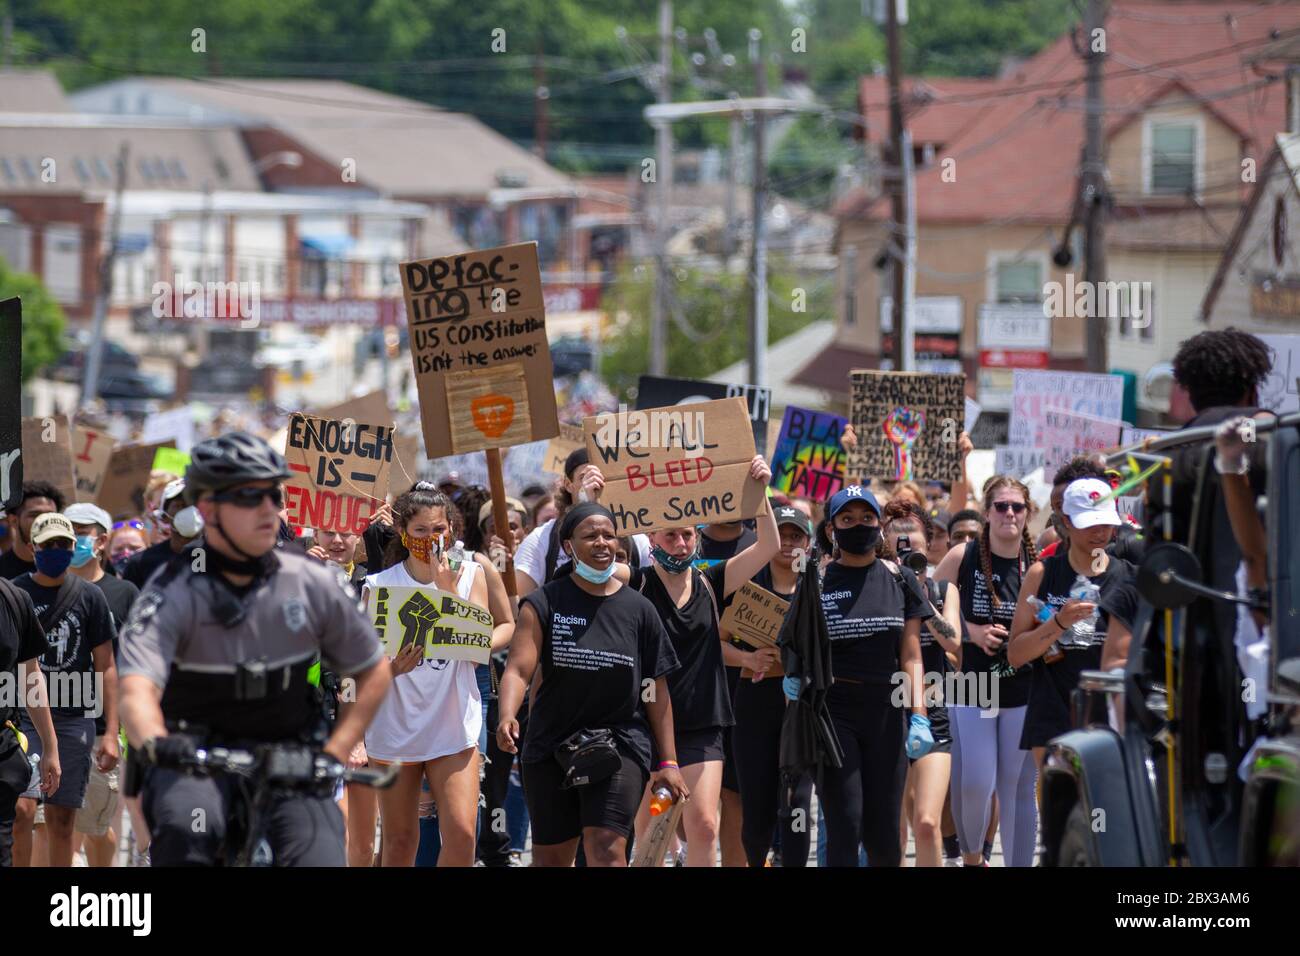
(188, 522)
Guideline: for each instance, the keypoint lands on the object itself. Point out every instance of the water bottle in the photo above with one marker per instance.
(1085, 590)
(1043, 613)
(456, 556)
(660, 801)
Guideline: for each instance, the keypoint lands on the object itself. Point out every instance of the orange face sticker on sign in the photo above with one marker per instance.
(492, 414)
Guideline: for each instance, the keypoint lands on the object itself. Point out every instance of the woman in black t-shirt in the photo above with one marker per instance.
(987, 712)
(873, 613)
(910, 530)
(1066, 637)
(604, 659)
(689, 602)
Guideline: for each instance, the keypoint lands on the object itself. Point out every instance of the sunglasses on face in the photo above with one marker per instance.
(1002, 507)
(251, 497)
(132, 523)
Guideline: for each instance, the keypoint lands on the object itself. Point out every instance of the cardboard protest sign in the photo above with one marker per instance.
(1066, 434)
(559, 449)
(1016, 462)
(339, 472)
(443, 625)
(47, 454)
(654, 391)
(808, 460)
(755, 615)
(669, 467)
(1032, 391)
(908, 424)
(121, 493)
(478, 319)
(371, 407)
(91, 450)
(1280, 391)
(11, 415)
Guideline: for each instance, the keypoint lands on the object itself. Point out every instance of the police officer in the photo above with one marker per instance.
(217, 652)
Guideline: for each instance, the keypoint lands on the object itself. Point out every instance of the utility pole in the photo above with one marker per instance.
(90, 387)
(758, 247)
(733, 180)
(1094, 181)
(663, 186)
(898, 185)
(541, 98)
(906, 332)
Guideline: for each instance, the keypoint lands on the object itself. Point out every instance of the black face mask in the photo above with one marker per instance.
(859, 539)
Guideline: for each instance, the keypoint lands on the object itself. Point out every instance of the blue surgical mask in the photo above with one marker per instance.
(585, 571)
(84, 552)
(53, 562)
(669, 563)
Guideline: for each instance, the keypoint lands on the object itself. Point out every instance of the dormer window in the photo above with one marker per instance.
(1173, 165)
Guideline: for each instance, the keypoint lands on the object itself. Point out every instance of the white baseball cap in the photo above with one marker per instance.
(1087, 503)
(83, 512)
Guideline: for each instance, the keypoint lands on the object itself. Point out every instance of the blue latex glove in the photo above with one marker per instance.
(791, 686)
(919, 738)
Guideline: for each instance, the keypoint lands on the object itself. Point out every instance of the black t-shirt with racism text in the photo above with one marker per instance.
(978, 608)
(86, 624)
(865, 611)
(700, 691)
(596, 654)
(21, 639)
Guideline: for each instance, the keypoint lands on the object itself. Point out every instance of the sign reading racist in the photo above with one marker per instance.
(47, 454)
(908, 424)
(91, 450)
(339, 472)
(683, 465)
(121, 492)
(755, 616)
(809, 460)
(11, 415)
(476, 313)
(443, 625)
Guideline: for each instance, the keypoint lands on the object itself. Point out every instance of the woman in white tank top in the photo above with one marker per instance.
(431, 718)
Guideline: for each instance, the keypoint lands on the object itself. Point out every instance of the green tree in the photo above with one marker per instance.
(43, 319)
(709, 325)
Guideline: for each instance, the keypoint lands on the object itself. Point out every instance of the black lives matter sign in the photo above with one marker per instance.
(907, 425)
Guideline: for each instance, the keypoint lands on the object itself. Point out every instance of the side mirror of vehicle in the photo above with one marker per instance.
(1165, 574)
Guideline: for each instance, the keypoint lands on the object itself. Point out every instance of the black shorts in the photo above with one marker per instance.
(695, 746)
(940, 731)
(558, 816)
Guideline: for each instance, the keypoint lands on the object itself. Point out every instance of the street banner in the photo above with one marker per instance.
(47, 454)
(91, 450)
(654, 391)
(908, 425)
(339, 472)
(808, 460)
(443, 625)
(121, 493)
(1033, 391)
(478, 345)
(559, 449)
(11, 420)
(669, 467)
(1066, 434)
(1016, 462)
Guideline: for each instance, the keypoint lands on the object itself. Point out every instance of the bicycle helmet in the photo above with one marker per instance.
(231, 459)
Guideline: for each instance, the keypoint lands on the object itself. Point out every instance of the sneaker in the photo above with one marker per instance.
(952, 861)
(516, 858)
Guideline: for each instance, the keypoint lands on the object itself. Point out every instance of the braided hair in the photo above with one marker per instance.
(406, 507)
(1027, 548)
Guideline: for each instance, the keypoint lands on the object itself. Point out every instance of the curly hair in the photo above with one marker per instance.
(1221, 367)
(1080, 466)
(407, 506)
(1027, 548)
(38, 489)
(903, 510)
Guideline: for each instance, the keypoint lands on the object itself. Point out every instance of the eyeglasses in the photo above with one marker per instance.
(135, 523)
(1002, 507)
(251, 497)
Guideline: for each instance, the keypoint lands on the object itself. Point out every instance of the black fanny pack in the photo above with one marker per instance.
(589, 756)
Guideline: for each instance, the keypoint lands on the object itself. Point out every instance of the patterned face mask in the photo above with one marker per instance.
(422, 548)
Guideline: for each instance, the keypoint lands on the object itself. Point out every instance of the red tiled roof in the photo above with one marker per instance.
(1017, 140)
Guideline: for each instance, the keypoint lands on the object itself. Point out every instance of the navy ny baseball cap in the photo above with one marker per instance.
(849, 494)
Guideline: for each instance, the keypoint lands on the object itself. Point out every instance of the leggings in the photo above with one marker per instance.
(756, 748)
(863, 799)
(986, 755)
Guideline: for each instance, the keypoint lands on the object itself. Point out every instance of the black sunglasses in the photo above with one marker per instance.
(1002, 507)
(251, 497)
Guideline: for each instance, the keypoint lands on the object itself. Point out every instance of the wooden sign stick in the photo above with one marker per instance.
(500, 514)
